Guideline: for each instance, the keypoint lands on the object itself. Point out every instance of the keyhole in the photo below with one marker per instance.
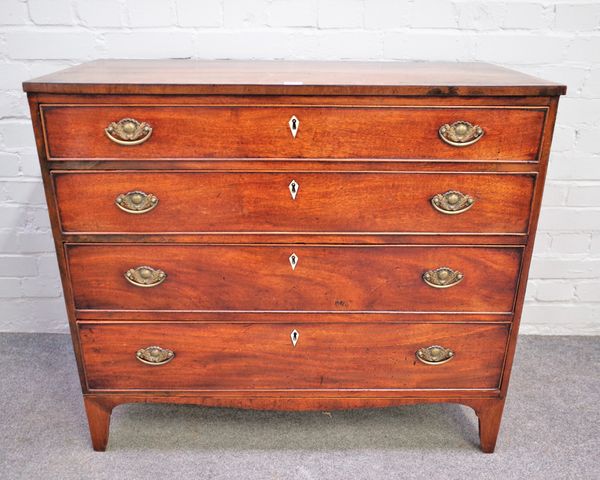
(293, 260)
(294, 337)
(294, 125)
(293, 187)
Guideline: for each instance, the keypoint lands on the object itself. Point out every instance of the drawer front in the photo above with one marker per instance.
(293, 278)
(260, 356)
(79, 132)
(298, 202)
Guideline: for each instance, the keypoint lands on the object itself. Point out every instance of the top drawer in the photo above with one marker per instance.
(182, 131)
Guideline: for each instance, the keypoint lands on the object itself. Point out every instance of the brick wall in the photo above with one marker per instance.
(557, 40)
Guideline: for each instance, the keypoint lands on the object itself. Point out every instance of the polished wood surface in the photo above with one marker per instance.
(264, 132)
(98, 413)
(327, 279)
(362, 225)
(261, 202)
(259, 356)
(490, 416)
(291, 78)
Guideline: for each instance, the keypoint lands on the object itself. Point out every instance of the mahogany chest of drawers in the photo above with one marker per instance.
(279, 235)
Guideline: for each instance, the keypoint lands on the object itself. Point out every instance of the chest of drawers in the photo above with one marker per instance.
(293, 236)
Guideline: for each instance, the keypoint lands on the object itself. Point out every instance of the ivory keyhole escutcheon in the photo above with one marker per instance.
(294, 336)
(293, 260)
(294, 186)
(294, 124)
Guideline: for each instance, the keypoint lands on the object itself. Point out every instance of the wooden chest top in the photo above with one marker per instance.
(292, 78)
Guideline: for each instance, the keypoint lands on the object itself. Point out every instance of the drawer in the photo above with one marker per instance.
(213, 356)
(301, 202)
(293, 277)
(180, 131)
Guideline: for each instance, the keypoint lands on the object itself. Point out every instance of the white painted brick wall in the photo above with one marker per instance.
(557, 40)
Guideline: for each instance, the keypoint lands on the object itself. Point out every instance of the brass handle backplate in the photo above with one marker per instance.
(442, 277)
(145, 276)
(434, 355)
(461, 133)
(136, 202)
(155, 355)
(452, 202)
(128, 131)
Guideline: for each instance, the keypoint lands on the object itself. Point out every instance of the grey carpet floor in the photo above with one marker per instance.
(551, 428)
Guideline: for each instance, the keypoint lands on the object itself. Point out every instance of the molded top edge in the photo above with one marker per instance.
(292, 78)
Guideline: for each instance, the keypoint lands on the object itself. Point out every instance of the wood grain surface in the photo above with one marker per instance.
(261, 202)
(263, 132)
(326, 278)
(260, 356)
(292, 78)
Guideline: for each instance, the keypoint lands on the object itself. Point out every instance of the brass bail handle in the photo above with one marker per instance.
(461, 133)
(155, 355)
(434, 355)
(443, 277)
(452, 202)
(144, 276)
(128, 131)
(136, 202)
